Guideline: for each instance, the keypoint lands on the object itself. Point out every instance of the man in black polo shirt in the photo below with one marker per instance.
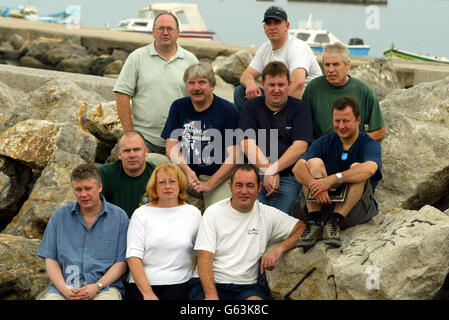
(277, 131)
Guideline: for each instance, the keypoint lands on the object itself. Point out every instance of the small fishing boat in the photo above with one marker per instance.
(70, 16)
(191, 23)
(407, 55)
(317, 38)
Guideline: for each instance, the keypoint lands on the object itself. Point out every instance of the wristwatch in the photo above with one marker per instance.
(339, 177)
(100, 285)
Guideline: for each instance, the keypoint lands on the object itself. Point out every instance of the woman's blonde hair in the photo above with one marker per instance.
(169, 168)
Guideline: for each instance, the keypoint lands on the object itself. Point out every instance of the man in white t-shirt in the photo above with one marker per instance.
(295, 53)
(233, 236)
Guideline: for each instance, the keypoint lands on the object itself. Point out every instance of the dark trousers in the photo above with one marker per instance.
(166, 292)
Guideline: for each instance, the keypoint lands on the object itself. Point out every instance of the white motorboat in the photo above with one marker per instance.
(191, 23)
(70, 16)
(317, 38)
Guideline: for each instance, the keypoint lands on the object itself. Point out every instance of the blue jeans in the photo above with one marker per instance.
(240, 96)
(286, 196)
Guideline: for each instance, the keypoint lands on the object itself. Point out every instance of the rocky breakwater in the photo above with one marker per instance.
(62, 54)
(50, 129)
(402, 254)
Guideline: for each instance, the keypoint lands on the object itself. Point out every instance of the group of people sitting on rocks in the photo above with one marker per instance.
(203, 186)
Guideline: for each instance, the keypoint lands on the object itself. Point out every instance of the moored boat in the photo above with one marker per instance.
(70, 16)
(407, 55)
(191, 23)
(317, 38)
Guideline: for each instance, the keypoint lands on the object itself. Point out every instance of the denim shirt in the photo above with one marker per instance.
(85, 255)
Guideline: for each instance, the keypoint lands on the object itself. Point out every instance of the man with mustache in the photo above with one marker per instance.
(196, 135)
(295, 53)
(322, 91)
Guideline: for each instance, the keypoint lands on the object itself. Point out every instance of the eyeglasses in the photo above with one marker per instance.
(168, 29)
(169, 181)
(344, 156)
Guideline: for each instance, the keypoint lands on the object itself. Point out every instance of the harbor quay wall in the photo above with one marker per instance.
(409, 73)
(380, 2)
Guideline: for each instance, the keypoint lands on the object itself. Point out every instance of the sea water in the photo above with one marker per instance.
(420, 26)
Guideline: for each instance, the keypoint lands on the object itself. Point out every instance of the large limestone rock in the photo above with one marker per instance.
(103, 122)
(415, 150)
(223, 89)
(33, 142)
(231, 68)
(100, 63)
(64, 51)
(16, 41)
(56, 100)
(22, 273)
(51, 52)
(60, 101)
(51, 191)
(399, 255)
(379, 75)
(10, 106)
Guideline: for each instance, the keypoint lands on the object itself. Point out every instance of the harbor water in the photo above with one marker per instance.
(419, 26)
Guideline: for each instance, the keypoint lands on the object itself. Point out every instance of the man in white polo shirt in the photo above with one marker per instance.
(152, 77)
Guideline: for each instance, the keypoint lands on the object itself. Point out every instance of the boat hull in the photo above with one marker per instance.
(353, 50)
(411, 56)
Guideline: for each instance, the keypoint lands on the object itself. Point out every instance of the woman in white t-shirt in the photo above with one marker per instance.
(161, 236)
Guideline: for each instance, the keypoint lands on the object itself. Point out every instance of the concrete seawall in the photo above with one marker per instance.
(408, 72)
(380, 2)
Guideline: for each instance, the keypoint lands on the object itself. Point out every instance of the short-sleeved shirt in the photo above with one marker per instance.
(238, 240)
(85, 254)
(295, 53)
(320, 96)
(124, 191)
(153, 83)
(293, 122)
(204, 135)
(329, 148)
(163, 238)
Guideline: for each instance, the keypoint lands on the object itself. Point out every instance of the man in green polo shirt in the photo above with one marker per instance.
(152, 78)
(322, 91)
(125, 181)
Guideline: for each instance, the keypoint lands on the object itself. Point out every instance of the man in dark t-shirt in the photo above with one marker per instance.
(277, 130)
(125, 181)
(348, 156)
(199, 135)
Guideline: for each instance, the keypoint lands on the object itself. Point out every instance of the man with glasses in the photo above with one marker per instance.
(152, 77)
(347, 156)
(295, 53)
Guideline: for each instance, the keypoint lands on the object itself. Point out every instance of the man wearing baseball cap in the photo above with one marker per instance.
(295, 53)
